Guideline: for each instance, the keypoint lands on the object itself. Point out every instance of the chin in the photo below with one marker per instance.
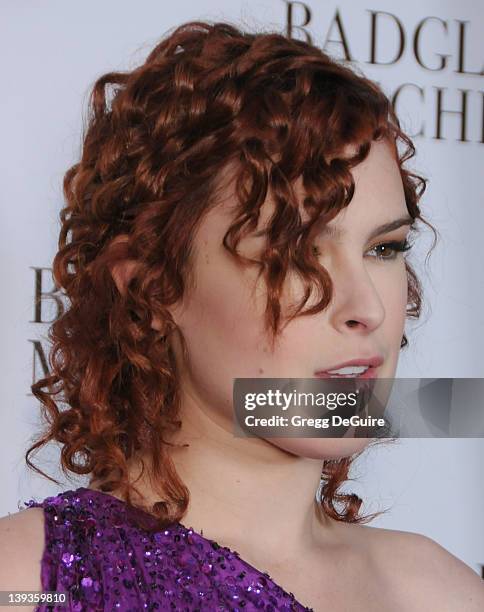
(321, 448)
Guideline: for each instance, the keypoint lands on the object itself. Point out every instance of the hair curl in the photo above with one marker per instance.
(157, 139)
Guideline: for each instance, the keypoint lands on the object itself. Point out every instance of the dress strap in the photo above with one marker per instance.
(67, 563)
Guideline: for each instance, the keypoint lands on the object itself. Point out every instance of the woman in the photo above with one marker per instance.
(240, 210)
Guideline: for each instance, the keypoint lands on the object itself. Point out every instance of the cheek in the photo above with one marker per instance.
(392, 285)
(393, 293)
(222, 323)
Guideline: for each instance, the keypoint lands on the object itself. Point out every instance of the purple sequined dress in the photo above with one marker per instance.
(95, 553)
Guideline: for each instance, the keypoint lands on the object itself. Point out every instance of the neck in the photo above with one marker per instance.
(246, 493)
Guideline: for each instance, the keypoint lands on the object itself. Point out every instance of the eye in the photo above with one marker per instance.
(385, 251)
(388, 251)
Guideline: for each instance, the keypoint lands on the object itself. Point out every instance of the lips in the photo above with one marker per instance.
(371, 362)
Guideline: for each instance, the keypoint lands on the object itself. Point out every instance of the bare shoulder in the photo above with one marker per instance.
(21, 548)
(423, 572)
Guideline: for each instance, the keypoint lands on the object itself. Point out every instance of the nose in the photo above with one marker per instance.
(356, 303)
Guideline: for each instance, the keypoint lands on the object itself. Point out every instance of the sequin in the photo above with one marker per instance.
(106, 563)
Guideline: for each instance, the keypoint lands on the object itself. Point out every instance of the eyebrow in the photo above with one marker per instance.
(336, 233)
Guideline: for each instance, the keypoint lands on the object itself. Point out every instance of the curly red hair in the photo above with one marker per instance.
(158, 137)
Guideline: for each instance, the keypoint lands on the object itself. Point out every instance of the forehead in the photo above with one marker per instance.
(378, 197)
(377, 178)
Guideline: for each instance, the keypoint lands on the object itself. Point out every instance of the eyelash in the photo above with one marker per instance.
(397, 246)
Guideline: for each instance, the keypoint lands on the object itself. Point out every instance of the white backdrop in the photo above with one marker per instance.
(51, 53)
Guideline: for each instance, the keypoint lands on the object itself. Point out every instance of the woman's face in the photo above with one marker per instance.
(222, 318)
